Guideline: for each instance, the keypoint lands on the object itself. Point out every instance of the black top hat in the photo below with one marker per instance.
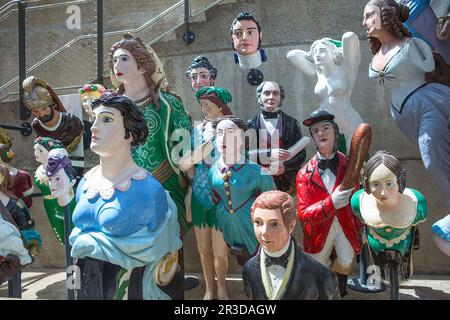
(317, 116)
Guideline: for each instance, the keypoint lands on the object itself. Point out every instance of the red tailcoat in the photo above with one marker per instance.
(316, 211)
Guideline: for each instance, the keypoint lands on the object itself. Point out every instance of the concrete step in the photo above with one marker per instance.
(50, 285)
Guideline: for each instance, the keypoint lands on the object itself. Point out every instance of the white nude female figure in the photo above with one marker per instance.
(336, 68)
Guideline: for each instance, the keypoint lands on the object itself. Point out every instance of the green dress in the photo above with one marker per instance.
(387, 236)
(158, 153)
(54, 211)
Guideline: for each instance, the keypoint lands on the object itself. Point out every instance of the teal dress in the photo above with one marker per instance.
(234, 190)
(385, 236)
(203, 208)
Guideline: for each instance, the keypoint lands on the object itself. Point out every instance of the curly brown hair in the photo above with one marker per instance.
(393, 15)
(273, 200)
(143, 59)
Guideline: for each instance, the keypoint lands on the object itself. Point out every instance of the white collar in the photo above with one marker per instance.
(278, 254)
(106, 189)
(251, 61)
(321, 157)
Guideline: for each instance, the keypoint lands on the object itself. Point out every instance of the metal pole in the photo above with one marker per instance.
(15, 286)
(69, 261)
(24, 112)
(363, 265)
(188, 36)
(100, 41)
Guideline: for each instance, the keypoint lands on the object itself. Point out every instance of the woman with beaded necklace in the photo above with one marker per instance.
(235, 183)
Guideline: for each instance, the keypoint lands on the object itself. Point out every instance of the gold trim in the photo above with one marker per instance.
(163, 172)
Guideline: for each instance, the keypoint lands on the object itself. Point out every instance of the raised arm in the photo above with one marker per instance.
(351, 54)
(350, 48)
(300, 60)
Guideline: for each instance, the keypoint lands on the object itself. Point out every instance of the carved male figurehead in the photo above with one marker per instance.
(41, 100)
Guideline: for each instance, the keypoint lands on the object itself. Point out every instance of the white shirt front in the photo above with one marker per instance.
(271, 124)
(276, 272)
(328, 177)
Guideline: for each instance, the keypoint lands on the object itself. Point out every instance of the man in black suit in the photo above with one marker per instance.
(280, 270)
(276, 132)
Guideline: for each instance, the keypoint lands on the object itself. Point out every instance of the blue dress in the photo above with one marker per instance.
(131, 226)
(421, 110)
(234, 190)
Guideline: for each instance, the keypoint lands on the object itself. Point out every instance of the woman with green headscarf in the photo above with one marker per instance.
(211, 246)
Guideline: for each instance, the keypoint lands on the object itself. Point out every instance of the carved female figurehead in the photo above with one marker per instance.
(214, 102)
(88, 93)
(201, 73)
(230, 132)
(326, 52)
(137, 71)
(61, 175)
(384, 19)
(388, 201)
(42, 146)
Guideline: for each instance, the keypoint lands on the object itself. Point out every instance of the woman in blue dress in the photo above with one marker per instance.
(126, 229)
(200, 209)
(235, 183)
(420, 109)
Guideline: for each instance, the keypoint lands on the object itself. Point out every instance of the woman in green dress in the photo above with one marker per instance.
(387, 208)
(202, 210)
(55, 213)
(138, 73)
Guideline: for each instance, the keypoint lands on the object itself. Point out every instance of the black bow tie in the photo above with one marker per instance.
(270, 115)
(331, 164)
(281, 261)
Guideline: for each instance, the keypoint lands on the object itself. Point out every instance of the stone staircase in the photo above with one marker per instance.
(76, 63)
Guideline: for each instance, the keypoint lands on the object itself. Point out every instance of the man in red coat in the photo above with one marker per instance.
(327, 220)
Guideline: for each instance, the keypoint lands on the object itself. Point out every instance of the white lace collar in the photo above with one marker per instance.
(106, 188)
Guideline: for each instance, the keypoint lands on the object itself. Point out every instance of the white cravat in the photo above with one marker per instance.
(328, 177)
(276, 272)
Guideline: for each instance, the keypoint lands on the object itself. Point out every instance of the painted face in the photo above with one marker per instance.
(86, 101)
(229, 139)
(44, 114)
(271, 96)
(372, 19)
(323, 136)
(40, 153)
(59, 184)
(125, 66)
(200, 77)
(210, 110)
(108, 131)
(383, 185)
(245, 37)
(322, 55)
(270, 230)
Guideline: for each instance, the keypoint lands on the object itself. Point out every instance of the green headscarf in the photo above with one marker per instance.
(222, 93)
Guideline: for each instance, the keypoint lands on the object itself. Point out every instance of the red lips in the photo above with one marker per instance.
(119, 74)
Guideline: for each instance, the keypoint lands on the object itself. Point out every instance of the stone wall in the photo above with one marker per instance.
(289, 24)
